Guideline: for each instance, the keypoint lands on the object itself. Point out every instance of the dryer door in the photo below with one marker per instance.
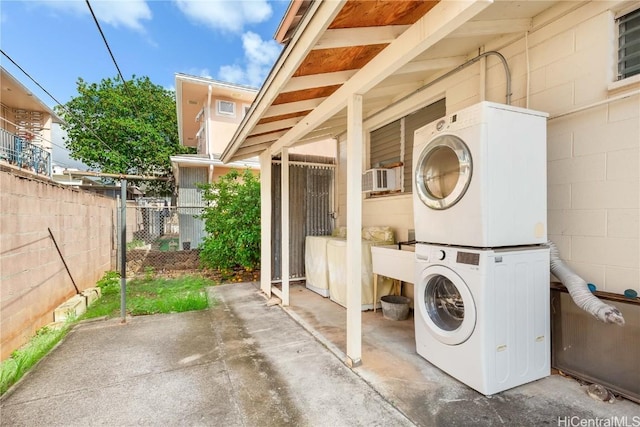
(446, 305)
(443, 172)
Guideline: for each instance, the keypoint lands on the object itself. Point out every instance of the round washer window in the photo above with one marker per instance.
(444, 304)
(443, 172)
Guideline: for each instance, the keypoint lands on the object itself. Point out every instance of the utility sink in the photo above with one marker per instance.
(394, 263)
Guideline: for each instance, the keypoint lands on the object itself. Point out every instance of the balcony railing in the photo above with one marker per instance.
(23, 154)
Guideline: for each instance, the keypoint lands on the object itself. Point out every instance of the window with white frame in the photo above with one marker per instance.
(226, 108)
(628, 44)
(393, 143)
(245, 109)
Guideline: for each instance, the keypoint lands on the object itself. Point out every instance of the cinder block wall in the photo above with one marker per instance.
(33, 279)
(593, 180)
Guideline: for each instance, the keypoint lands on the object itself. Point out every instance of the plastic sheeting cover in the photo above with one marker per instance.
(315, 261)
(337, 261)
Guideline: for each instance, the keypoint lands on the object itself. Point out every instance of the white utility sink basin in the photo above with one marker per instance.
(395, 263)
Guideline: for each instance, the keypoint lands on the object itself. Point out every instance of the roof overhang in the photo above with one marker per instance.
(192, 94)
(15, 95)
(383, 50)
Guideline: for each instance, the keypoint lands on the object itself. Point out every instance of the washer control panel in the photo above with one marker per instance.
(471, 258)
(446, 255)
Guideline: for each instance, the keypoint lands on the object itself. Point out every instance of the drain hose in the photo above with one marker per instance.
(580, 292)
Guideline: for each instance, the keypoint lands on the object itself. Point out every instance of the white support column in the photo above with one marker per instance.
(354, 225)
(265, 222)
(285, 225)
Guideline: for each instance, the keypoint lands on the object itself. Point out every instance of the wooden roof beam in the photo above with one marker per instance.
(310, 29)
(361, 36)
(439, 22)
(291, 107)
(278, 125)
(318, 80)
(255, 140)
(487, 28)
(431, 64)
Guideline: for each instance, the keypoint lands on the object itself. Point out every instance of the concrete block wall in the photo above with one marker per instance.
(33, 279)
(593, 154)
(567, 63)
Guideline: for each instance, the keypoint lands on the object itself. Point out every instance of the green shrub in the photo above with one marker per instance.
(232, 222)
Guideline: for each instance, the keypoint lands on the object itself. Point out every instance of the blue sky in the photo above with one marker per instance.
(57, 41)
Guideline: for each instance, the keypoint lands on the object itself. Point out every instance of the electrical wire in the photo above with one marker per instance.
(113, 58)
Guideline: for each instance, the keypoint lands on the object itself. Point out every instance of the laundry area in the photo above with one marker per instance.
(497, 164)
(478, 261)
(477, 268)
(429, 396)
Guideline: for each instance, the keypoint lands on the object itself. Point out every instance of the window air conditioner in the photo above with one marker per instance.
(381, 180)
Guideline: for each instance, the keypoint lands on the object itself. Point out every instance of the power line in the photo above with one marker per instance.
(64, 107)
(113, 58)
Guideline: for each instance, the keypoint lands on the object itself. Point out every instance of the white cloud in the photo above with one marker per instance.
(259, 56)
(126, 13)
(226, 15)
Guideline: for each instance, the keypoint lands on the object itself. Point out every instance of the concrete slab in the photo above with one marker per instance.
(240, 363)
(428, 396)
(246, 363)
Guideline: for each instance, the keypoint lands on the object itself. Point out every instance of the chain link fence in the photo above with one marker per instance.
(161, 237)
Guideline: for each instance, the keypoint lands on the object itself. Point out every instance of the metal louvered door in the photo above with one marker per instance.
(310, 208)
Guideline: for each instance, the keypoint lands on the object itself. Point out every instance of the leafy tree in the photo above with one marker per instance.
(123, 128)
(232, 222)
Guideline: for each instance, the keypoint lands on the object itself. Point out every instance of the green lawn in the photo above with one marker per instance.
(148, 295)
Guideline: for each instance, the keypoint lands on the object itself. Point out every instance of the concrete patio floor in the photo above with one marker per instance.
(428, 396)
(244, 362)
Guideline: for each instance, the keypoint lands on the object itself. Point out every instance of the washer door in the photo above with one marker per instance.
(446, 305)
(443, 172)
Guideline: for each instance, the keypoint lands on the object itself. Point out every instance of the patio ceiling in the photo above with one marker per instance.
(383, 50)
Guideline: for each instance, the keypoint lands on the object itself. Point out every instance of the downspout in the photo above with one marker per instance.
(206, 130)
(580, 293)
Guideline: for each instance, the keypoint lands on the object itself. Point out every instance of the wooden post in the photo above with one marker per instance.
(354, 225)
(285, 226)
(265, 222)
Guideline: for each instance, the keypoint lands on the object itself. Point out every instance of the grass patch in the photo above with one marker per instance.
(147, 295)
(23, 359)
(152, 295)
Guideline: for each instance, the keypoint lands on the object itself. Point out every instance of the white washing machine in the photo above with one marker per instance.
(482, 316)
(480, 178)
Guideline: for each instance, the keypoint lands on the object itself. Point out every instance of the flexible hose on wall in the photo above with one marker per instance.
(580, 292)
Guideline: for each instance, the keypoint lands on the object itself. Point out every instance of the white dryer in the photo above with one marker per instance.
(482, 316)
(480, 178)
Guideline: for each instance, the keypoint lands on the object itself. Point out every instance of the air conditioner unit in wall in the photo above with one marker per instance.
(380, 179)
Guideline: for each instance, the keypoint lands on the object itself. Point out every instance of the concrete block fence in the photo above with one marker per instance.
(33, 278)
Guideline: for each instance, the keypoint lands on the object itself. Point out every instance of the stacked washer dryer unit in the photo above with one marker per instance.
(482, 269)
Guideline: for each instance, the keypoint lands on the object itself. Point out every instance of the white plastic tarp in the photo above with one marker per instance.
(337, 262)
(316, 264)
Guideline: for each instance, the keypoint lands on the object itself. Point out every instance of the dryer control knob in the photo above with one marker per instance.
(441, 255)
